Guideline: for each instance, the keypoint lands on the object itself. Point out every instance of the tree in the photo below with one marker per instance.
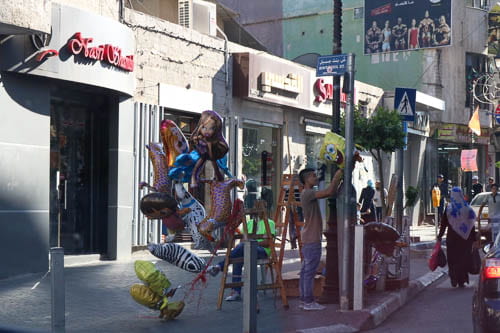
(382, 132)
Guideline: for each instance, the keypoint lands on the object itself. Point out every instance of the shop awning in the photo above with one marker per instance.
(429, 103)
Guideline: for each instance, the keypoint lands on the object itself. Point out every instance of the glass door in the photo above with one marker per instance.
(78, 176)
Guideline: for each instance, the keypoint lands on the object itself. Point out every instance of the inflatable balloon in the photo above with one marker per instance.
(208, 141)
(156, 291)
(174, 142)
(184, 165)
(161, 182)
(193, 218)
(220, 205)
(158, 205)
(177, 255)
(333, 150)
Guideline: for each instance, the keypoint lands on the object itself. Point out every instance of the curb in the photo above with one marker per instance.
(377, 314)
(396, 300)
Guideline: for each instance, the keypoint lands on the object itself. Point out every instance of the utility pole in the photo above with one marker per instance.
(331, 289)
(349, 199)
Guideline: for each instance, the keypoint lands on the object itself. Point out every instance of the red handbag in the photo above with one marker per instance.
(437, 258)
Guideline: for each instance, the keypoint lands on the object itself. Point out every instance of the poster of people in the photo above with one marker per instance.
(494, 29)
(406, 25)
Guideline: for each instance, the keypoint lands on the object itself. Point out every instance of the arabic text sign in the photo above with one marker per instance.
(468, 160)
(331, 65)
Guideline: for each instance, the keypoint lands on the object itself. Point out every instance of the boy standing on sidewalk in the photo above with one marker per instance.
(311, 233)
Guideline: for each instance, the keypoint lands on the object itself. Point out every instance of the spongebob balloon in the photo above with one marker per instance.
(333, 149)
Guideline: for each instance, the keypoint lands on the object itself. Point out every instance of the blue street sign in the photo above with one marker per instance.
(497, 114)
(404, 102)
(331, 65)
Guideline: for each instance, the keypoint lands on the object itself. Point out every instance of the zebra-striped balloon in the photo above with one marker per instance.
(177, 255)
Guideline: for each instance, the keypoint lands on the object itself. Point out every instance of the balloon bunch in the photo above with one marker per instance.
(175, 161)
(156, 290)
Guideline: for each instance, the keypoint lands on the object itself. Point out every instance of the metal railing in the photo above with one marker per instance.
(147, 118)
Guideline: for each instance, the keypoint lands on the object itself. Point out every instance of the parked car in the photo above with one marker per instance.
(476, 203)
(486, 299)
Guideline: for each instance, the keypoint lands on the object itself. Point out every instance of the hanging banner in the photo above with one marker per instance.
(400, 25)
(468, 160)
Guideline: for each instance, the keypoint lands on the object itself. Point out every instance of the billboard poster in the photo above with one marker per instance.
(406, 25)
(494, 29)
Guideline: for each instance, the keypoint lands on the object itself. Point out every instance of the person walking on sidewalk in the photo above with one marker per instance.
(366, 199)
(263, 252)
(477, 187)
(459, 219)
(377, 200)
(493, 202)
(311, 233)
(491, 181)
(443, 188)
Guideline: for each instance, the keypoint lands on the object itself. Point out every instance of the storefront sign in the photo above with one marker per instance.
(108, 53)
(468, 160)
(324, 91)
(462, 134)
(290, 82)
(421, 122)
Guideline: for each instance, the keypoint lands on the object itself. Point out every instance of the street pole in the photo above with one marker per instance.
(57, 290)
(399, 193)
(348, 217)
(250, 287)
(330, 293)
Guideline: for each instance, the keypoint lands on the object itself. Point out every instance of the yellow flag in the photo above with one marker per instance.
(474, 124)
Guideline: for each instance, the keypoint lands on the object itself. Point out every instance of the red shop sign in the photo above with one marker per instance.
(108, 53)
(324, 91)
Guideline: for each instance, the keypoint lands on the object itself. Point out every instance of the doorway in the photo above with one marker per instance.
(79, 172)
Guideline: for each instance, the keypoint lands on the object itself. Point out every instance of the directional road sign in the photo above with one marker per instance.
(497, 114)
(331, 65)
(404, 102)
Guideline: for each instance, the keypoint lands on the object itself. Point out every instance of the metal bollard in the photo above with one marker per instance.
(58, 307)
(250, 287)
(358, 267)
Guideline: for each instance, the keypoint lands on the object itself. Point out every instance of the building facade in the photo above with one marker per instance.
(440, 134)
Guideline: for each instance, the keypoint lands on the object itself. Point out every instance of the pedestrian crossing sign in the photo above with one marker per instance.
(404, 103)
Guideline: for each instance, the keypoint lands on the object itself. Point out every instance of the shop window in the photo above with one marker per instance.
(260, 153)
(313, 145)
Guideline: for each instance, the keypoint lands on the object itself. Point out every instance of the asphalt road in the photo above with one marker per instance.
(440, 308)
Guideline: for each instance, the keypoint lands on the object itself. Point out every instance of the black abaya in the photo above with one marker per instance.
(458, 251)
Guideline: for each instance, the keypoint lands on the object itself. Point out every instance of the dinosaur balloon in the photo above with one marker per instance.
(220, 205)
(161, 181)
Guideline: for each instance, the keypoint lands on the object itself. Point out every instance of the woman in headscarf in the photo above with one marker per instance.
(366, 201)
(459, 219)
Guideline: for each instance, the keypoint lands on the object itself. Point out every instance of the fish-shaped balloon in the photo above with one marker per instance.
(174, 141)
(177, 255)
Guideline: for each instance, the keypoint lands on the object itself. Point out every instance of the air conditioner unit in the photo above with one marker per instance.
(198, 15)
(185, 13)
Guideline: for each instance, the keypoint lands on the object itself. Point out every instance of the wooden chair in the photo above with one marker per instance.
(270, 263)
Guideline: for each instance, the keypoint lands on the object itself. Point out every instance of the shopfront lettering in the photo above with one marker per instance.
(324, 91)
(291, 83)
(107, 53)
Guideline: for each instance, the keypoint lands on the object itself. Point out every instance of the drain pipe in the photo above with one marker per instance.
(121, 10)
